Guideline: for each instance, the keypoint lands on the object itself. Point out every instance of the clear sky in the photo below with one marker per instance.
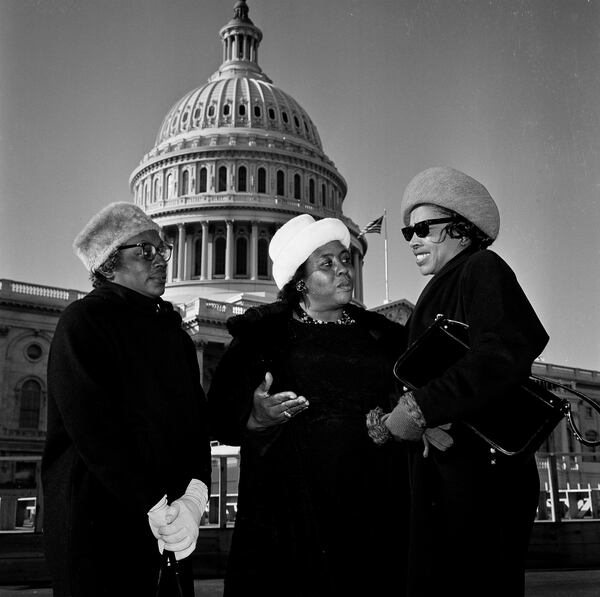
(505, 90)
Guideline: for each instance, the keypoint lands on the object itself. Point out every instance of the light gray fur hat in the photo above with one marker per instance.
(111, 227)
(454, 190)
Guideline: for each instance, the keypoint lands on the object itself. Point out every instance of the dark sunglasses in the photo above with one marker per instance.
(421, 229)
(149, 250)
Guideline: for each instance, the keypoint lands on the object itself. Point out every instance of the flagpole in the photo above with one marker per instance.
(385, 256)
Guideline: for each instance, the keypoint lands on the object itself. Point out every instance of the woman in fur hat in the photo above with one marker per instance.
(317, 499)
(126, 464)
(472, 512)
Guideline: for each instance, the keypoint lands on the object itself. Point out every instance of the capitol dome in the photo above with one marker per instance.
(233, 160)
(246, 102)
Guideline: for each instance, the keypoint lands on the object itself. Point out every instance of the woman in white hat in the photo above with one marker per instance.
(472, 512)
(293, 389)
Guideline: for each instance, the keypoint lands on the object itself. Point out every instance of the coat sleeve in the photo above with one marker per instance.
(231, 393)
(83, 385)
(198, 460)
(505, 336)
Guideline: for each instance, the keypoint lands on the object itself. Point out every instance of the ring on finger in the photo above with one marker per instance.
(287, 414)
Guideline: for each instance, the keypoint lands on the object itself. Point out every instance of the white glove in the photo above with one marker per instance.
(183, 519)
(157, 517)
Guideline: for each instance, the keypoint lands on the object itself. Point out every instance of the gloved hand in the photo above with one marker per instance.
(157, 518)
(406, 421)
(183, 518)
(438, 438)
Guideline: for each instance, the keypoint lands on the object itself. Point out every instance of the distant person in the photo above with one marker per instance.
(127, 447)
(471, 518)
(293, 389)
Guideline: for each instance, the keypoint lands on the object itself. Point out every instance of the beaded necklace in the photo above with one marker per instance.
(304, 317)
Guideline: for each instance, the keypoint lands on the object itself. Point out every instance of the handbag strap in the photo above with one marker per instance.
(566, 408)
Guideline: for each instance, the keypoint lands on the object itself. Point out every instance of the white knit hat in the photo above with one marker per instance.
(111, 227)
(293, 243)
(455, 191)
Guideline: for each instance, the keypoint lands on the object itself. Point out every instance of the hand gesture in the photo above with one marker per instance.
(269, 410)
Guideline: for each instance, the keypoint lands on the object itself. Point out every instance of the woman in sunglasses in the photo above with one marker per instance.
(471, 515)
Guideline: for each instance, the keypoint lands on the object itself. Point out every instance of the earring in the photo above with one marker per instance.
(300, 286)
(464, 240)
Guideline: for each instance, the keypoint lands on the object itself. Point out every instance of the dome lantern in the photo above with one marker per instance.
(241, 38)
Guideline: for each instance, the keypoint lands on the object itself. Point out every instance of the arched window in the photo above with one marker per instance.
(242, 110)
(146, 188)
(156, 190)
(263, 258)
(241, 179)
(222, 184)
(170, 185)
(219, 265)
(297, 187)
(202, 181)
(311, 191)
(185, 182)
(226, 109)
(280, 183)
(29, 414)
(198, 257)
(323, 195)
(257, 111)
(262, 180)
(241, 256)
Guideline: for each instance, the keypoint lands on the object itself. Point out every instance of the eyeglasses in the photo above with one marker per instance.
(421, 229)
(149, 250)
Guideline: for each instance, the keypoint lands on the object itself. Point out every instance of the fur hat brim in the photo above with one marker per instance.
(111, 227)
(453, 190)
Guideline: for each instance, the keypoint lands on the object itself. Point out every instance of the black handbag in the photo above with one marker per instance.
(169, 581)
(515, 432)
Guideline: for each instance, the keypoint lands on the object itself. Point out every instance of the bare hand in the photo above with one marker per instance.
(270, 410)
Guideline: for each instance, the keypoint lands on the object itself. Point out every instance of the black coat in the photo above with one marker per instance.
(471, 519)
(126, 424)
(317, 499)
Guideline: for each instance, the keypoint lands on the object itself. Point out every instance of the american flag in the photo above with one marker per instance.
(374, 226)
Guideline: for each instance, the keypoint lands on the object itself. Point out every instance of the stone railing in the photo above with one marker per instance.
(212, 310)
(36, 293)
(563, 372)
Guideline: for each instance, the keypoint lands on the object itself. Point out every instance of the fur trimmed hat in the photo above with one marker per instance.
(293, 243)
(111, 227)
(453, 190)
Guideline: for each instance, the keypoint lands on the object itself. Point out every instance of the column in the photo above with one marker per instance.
(181, 252)
(229, 250)
(204, 257)
(170, 272)
(189, 258)
(254, 252)
(356, 265)
(200, 346)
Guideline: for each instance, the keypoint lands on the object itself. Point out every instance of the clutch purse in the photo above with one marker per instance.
(514, 432)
